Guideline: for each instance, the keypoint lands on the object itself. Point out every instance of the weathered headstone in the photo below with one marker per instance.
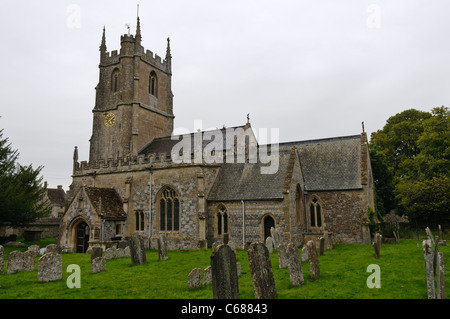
(224, 273)
(269, 244)
(321, 246)
(275, 236)
(294, 265)
(126, 252)
(314, 269)
(111, 253)
(328, 241)
(137, 250)
(162, 247)
(52, 248)
(35, 249)
(282, 257)
(50, 267)
(261, 270)
(29, 260)
(2, 261)
(440, 276)
(377, 245)
(304, 253)
(15, 262)
(98, 264)
(207, 278)
(429, 268)
(195, 279)
(97, 251)
(238, 268)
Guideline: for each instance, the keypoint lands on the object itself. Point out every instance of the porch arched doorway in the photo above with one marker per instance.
(269, 222)
(82, 239)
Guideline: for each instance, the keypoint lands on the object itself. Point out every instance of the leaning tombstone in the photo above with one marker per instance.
(429, 268)
(224, 273)
(50, 267)
(282, 256)
(96, 251)
(269, 244)
(137, 250)
(294, 265)
(162, 247)
(15, 262)
(314, 270)
(195, 279)
(275, 236)
(261, 270)
(98, 264)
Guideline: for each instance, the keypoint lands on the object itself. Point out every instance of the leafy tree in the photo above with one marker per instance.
(383, 183)
(21, 194)
(416, 149)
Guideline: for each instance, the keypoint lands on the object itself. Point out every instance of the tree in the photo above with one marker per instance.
(416, 149)
(383, 183)
(21, 194)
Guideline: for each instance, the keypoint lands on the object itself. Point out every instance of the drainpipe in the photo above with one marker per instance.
(243, 223)
(103, 222)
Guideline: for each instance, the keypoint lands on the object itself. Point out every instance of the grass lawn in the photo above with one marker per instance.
(342, 276)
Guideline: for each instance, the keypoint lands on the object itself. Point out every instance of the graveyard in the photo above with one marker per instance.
(343, 275)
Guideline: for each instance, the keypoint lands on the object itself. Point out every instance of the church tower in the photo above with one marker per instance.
(134, 100)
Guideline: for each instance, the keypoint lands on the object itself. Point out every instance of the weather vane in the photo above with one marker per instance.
(128, 27)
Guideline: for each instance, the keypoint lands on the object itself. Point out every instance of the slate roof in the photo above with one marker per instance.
(331, 163)
(243, 181)
(166, 144)
(106, 202)
(57, 196)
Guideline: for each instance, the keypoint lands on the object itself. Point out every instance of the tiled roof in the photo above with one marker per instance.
(330, 164)
(242, 181)
(56, 196)
(106, 202)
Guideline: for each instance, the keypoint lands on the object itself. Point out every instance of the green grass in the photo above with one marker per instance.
(343, 276)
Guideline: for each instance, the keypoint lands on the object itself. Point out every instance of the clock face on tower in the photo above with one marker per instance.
(110, 119)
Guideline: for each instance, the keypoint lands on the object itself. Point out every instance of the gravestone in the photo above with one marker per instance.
(304, 253)
(224, 273)
(137, 250)
(328, 242)
(440, 276)
(261, 271)
(207, 278)
(294, 265)
(162, 247)
(314, 269)
(98, 264)
(377, 245)
(111, 253)
(50, 267)
(52, 248)
(269, 244)
(126, 252)
(275, 236)
(97, 251)
(15, 262)
(429, 268)
(282, 257)
(321, 246)
(2, 261)
(29, 260)
(35, 249)
(238, 268)
(195, 279)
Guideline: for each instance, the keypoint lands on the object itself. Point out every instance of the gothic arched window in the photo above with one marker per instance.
(222, 218)
(315, 211)
(153, 84)
(115, 80)
(169, 210)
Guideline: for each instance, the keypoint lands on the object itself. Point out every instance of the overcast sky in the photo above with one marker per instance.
(313, 69)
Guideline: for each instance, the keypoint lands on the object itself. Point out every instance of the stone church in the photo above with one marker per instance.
(142, 179)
